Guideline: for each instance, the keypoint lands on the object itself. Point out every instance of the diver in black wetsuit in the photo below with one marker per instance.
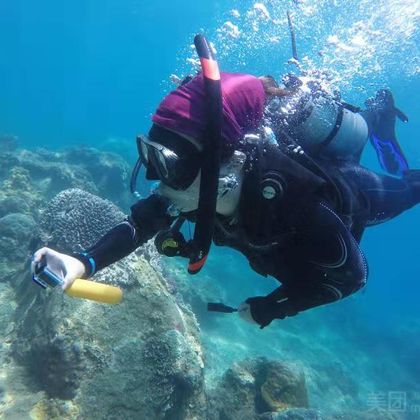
(295, 219)
(291, 223)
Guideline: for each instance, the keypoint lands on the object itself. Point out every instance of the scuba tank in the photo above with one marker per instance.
(318, 121)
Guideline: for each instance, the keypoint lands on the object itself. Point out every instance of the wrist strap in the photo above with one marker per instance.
(88, 262)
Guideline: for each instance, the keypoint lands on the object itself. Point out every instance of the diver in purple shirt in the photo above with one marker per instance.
(294, 218)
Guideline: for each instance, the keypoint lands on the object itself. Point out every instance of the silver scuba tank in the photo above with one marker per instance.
(321, 125)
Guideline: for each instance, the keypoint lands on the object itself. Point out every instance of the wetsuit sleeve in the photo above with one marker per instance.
(327, 265)
(147, 217)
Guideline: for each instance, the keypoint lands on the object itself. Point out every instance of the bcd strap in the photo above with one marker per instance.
(335, 129)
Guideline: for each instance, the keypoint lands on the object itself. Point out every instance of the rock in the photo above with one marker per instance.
(257, 386)
(36, 176)
(109, 171)
(293, 414)
(50, 174)
(18, 193)
(283, 387)
(13, 204)
(16, 232)
(373, 414)
(139, 359)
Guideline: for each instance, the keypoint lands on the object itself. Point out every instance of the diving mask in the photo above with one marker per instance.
(168, 157)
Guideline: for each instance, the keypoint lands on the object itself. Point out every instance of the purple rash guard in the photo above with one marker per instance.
(183, 110)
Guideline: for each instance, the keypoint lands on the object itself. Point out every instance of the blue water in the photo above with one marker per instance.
(87, 71)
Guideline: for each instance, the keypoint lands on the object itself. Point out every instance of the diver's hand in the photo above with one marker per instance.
(261, 310)
(244, 311)
(65, 266)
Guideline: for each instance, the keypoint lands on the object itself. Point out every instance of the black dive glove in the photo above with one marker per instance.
(264, 310)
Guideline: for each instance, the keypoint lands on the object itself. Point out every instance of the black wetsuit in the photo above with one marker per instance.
(304, 237)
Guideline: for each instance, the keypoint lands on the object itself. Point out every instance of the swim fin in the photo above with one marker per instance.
(381, 115)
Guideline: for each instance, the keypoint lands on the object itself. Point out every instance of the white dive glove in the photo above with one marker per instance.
(244, 311)
(65, 266)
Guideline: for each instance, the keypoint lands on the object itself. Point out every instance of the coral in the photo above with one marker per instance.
(76, 219)
(17, 193)
(373, 414)
(7, 161)
(18, 179)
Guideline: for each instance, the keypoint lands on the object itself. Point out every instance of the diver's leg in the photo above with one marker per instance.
(387, 196)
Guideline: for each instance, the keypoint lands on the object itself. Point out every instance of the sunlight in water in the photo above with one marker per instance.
(348, 39)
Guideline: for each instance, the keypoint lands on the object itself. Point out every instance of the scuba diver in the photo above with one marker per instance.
(294, 218)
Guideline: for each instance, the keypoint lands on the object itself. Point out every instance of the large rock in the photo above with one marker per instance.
(257, 386)
(139, 359)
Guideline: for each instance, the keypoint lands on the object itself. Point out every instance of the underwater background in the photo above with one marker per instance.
(81, 79)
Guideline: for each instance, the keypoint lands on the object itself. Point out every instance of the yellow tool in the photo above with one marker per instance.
(98, 292)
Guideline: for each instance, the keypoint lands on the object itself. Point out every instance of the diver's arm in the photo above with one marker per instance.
(147, 217)
(329, 266)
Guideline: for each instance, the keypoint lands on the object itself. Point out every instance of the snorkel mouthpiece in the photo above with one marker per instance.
(210, 165)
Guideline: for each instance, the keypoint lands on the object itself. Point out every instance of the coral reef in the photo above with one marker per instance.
(66, 358)
(43, 173)
(29, 179)
(69, 358)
